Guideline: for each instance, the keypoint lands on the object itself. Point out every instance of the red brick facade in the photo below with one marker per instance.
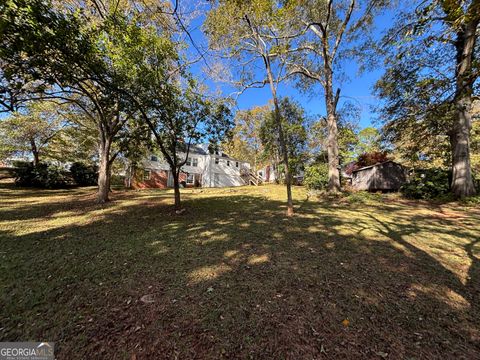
(158, 179)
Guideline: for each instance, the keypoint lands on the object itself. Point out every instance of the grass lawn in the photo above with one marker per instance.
(234, 278)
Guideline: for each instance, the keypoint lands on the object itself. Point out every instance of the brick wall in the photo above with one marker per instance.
(158, 179)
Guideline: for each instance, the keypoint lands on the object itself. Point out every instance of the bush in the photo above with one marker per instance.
(471, 201)
(476, 180)
(84, 174)
(43, 175)
(427, 184)
(117, 180)
(316, 177)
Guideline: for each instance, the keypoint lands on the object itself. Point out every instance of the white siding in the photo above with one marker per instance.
(222, 175)
(213, 175)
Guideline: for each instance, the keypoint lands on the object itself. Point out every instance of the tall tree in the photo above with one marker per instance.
(174, 107)
(347, 118)
(245, 142)
(251, 35)
(328, 30)
(369, 140)
(188, 120)
(294, 124)
(30, 131)
(463, 19)
(433, 58)
(75, 56)
(57, 51)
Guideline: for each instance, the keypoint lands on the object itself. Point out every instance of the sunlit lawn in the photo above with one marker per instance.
(234, 278)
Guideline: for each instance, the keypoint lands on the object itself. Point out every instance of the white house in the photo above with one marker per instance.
(202, 169)
(269, 174)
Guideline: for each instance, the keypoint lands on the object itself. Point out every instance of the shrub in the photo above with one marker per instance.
(316, 176)
(117, 180)
(23, 173)
(84, 174)
(427, 184)
(476, 180)
(43, 175)
(471, 201)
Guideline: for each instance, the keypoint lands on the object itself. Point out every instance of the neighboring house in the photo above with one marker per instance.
(202, 169)
(10, 161)
(269, 174)
(387, 175)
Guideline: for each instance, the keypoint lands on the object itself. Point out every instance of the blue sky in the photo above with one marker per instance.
(357, 89)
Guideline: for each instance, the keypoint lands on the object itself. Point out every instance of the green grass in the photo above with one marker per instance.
(234, 278)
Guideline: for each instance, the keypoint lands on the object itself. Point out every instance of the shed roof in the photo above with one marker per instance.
(377, 164)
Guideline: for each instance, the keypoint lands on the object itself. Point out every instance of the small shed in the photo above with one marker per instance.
(384, 176)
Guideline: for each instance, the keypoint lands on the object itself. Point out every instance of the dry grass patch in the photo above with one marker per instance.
(234, 278)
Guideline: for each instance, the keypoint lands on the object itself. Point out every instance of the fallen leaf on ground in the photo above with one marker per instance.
(147, 299)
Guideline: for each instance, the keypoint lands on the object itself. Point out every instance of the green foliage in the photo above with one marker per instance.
(473, 201)
(42, 175)
(244, 142)
(84, 174)
(368, 140)
(40, 47)
(293, 123)
(316, 176)
(427, 184)
(32, 130)
(475, 144)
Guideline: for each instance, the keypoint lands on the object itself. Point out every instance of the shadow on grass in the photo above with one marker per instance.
(234, 278)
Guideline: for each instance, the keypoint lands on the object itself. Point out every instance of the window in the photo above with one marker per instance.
(153, 158)
(190, 179)
(195, 162)
(228, 162)
(188, 162)
(236, 163)
(146, 174)
(217, 160)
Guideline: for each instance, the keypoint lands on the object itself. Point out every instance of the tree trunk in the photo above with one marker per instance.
(278, 119)
(36, 156)
(176, 188)
(281, 138)
(283, 146)
(104, 171)
(332, 138)
(462, 182)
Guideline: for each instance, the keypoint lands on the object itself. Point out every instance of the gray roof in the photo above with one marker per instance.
(202, 149)
(198, 149)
